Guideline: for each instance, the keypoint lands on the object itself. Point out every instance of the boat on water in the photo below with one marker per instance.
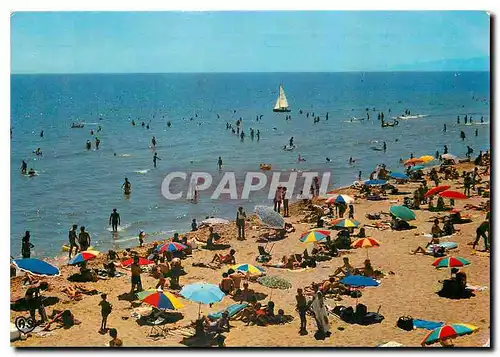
(281, 103)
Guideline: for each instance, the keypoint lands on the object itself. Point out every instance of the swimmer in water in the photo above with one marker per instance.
(31, 172)
(24, 167)
(38, 152)
(97, 142)
(258, 135)
(143, 124)
(88, 145)
(127, 186)
(114, 220)
(482, 121)
(41, 134)
(169, 123)
(147, 126)
(91, 132)
(300, 159)
(133, 122)
(385, 146)
(155, 157)
(328, 159)
(153, 141)
(351, 160)
(291, 141)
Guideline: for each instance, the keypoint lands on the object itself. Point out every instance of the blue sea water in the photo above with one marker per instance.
(76, 186)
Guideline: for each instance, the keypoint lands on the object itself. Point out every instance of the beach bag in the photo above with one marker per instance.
(347, 314)
(355, 294)
(405, 323)
(361, 311)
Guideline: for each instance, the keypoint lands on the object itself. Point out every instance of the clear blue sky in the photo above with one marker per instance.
(107, 42)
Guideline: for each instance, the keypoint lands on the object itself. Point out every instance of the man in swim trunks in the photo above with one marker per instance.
(219, 163)
(114, 220)
(83, 239)
(237, 277)
(155, 157)
(72, 240)
(126, 187)
(136, 275)
(481, 232)
(240, 223)
(226, 285)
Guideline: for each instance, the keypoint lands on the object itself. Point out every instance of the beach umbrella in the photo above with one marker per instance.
(170, 247)
(84, 256)
(413, 161)
(142, 261)
(417, 167)
(365, 243)
(450, 262)
(215, 221)
(403, 213)
(36, 267)
(314, 235)
(426, 158)
(269, 217)
(274, 282)
(340, 199)
(449, 157)
(446, 332)
(202, 293)
(375, 182)
(398, 176)
(436, 189)
(346, 223)
(248, 268)
(160, 299)
(455, 195)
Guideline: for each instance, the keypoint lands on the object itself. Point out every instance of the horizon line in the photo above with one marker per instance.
(250, 72)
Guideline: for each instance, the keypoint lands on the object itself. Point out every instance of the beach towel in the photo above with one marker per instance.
(445, 245)
(232, 309)
(428, 325)
(476, 288)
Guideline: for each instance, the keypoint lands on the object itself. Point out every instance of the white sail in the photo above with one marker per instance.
(281, 102)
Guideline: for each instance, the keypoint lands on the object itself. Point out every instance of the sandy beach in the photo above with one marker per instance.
(408, 288)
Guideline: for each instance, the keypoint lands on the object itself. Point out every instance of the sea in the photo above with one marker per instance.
(78, 186)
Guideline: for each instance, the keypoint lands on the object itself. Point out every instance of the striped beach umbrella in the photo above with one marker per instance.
(160, 299)
(142, 261)
(170, 247)
(450, 262)
(314, 235)
(248, 268)
(365, 243)
(346, 223)
(340, 199)
(446, 332)
(84, 256)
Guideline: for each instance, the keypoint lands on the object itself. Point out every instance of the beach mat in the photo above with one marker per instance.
(232, 309)
(425, 324)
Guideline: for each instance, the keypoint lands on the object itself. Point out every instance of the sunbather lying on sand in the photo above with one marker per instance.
(225, 259)
(286, 263)
(329, 286)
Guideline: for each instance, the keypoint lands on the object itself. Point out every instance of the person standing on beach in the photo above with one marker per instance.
(318, 308)
(481, 232)
(458, 119)
(301, 308)
(277, 199)
(467, 184)
(72, 240)
(476, 132)
(219, 163)
(351, 211)
(155, 157)
(106, 309)
(26, 245)
(114, 220)
(127, 186)
(285, 203)
(136, 275)
(240, 223)
(83, 239)
(445, 150)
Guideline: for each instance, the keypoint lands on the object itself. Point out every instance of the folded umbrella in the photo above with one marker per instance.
(36, 267)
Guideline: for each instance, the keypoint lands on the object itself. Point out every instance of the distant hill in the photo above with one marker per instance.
(465, 64)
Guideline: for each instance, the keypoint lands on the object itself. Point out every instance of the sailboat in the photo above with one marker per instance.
(281, 102)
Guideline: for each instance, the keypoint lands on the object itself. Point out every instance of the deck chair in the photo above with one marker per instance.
(264, 256)
(158, 327)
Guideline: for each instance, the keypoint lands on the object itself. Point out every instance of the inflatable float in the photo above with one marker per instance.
(65, 248)
(265, 167)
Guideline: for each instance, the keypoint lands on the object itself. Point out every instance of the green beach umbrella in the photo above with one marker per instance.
(403, 213)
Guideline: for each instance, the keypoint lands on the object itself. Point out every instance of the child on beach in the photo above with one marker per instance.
(115, 342)
(351, 211)
(141, 238)
(106, 309)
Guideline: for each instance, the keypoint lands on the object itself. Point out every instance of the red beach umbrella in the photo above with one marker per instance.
(436, 189)
(453, 195)
(142, 261)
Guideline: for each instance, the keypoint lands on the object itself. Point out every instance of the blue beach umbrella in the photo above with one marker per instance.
(399, 176)
(36, 267)
(375, 182)
(417, 167)
(202, 293)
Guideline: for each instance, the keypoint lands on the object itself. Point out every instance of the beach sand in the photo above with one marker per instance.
(410, 291)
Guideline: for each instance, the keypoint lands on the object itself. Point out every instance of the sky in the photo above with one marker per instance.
(166, 42)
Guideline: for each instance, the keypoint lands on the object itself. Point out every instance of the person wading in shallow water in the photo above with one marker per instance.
(126, 187)
(114, 220)
(155, 157)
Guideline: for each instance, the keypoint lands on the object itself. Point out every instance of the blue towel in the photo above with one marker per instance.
(232, 309)
(428, 325)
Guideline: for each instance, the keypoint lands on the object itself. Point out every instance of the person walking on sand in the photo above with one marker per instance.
(136, 276)
(127, 186)
(114, 220)
(72, 240)
(301, 308)
(106, 309)
(83, 239)
(26, 246)
(240, 223)
(155, 157)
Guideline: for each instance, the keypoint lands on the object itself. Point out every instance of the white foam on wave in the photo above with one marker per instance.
(121, 228)
(142, 172)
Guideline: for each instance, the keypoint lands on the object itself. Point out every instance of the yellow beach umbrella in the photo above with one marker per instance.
(426, 158)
